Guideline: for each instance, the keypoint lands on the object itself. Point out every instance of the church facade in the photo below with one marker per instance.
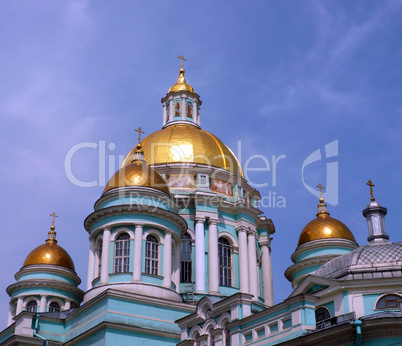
(179, 253)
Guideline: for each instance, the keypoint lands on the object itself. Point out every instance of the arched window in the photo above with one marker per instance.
(151, 255)
(389, 302)
(54, 307)
(225, 262)
(186, 254)
(122, 253)
(32, 306)
(321, 314)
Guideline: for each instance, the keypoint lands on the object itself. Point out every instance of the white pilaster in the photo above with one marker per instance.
(67, 305)
(104, 277)
(252, 265)
(266, 268)
(213, 260)
(243, 260)
(91, 263)
(183, 107)
(164, 114)
(42, 306)
(199, 256)
(176, 275)
(167, 261)
(171, 110)
(19, 305)
(10, 314)
(137, 252)
(195, 113)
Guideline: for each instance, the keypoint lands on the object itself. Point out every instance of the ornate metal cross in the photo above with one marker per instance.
(320, 187)
(53, 215)
(181, 57)
(370, 183)
(139, 130)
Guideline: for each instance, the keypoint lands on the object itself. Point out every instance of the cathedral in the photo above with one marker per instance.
(180, 254)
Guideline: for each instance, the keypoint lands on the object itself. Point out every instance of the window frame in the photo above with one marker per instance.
(186, 266)
(324, 308)
(225, 265)
(152, 266)
(29, 301)
(121, 261)
(398, 300)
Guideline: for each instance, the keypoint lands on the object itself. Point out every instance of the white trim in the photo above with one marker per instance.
(158, 234)
(29, 299)
(231, 238)
(195, 330)
(120, 230)
(55, 300)
(223, 319)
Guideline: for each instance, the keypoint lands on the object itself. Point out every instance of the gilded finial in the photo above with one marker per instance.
(53, 215)
(370, 183)
(181, 57)
(139, 153)
(52, 234)
(321, 187)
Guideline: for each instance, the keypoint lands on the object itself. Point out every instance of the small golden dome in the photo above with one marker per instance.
(138, 173)
(324, 227)
(181, 84)
(50, 253)
(187, 143)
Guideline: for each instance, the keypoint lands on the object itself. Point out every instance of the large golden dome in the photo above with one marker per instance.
(324, 227)
(187, 143)
(50, 253)
(137, 173)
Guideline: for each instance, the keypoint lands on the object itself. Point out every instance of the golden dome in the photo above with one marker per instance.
(324, 227)
(50, 253)
(138, 173)
(187, 143)
(181, 84)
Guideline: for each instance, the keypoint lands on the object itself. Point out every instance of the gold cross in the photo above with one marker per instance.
(320, 187)
(53, 215)
(181, 57)
(370, 183)
(139, 130)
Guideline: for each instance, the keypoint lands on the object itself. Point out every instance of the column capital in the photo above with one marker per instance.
(108, 228)
(213, 221)
(242, 229)
(265, 241)
(139, 224)
(199, 219)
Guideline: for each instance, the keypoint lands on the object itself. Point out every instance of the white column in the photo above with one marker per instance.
(243, 260)
(167, 260)
(104, 277)
(10, 314)
(67, 305)
(183, 107)
(164, 114)
(171, 110)
(176, 275)
(137, 253)
(19, 305)
(195, 113)
(91, 263)
(213, 260)
(266, 268)
(252, 265)
(42, 306)
(199, 256)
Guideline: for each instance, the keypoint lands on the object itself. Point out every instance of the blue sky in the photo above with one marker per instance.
(281, 77)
